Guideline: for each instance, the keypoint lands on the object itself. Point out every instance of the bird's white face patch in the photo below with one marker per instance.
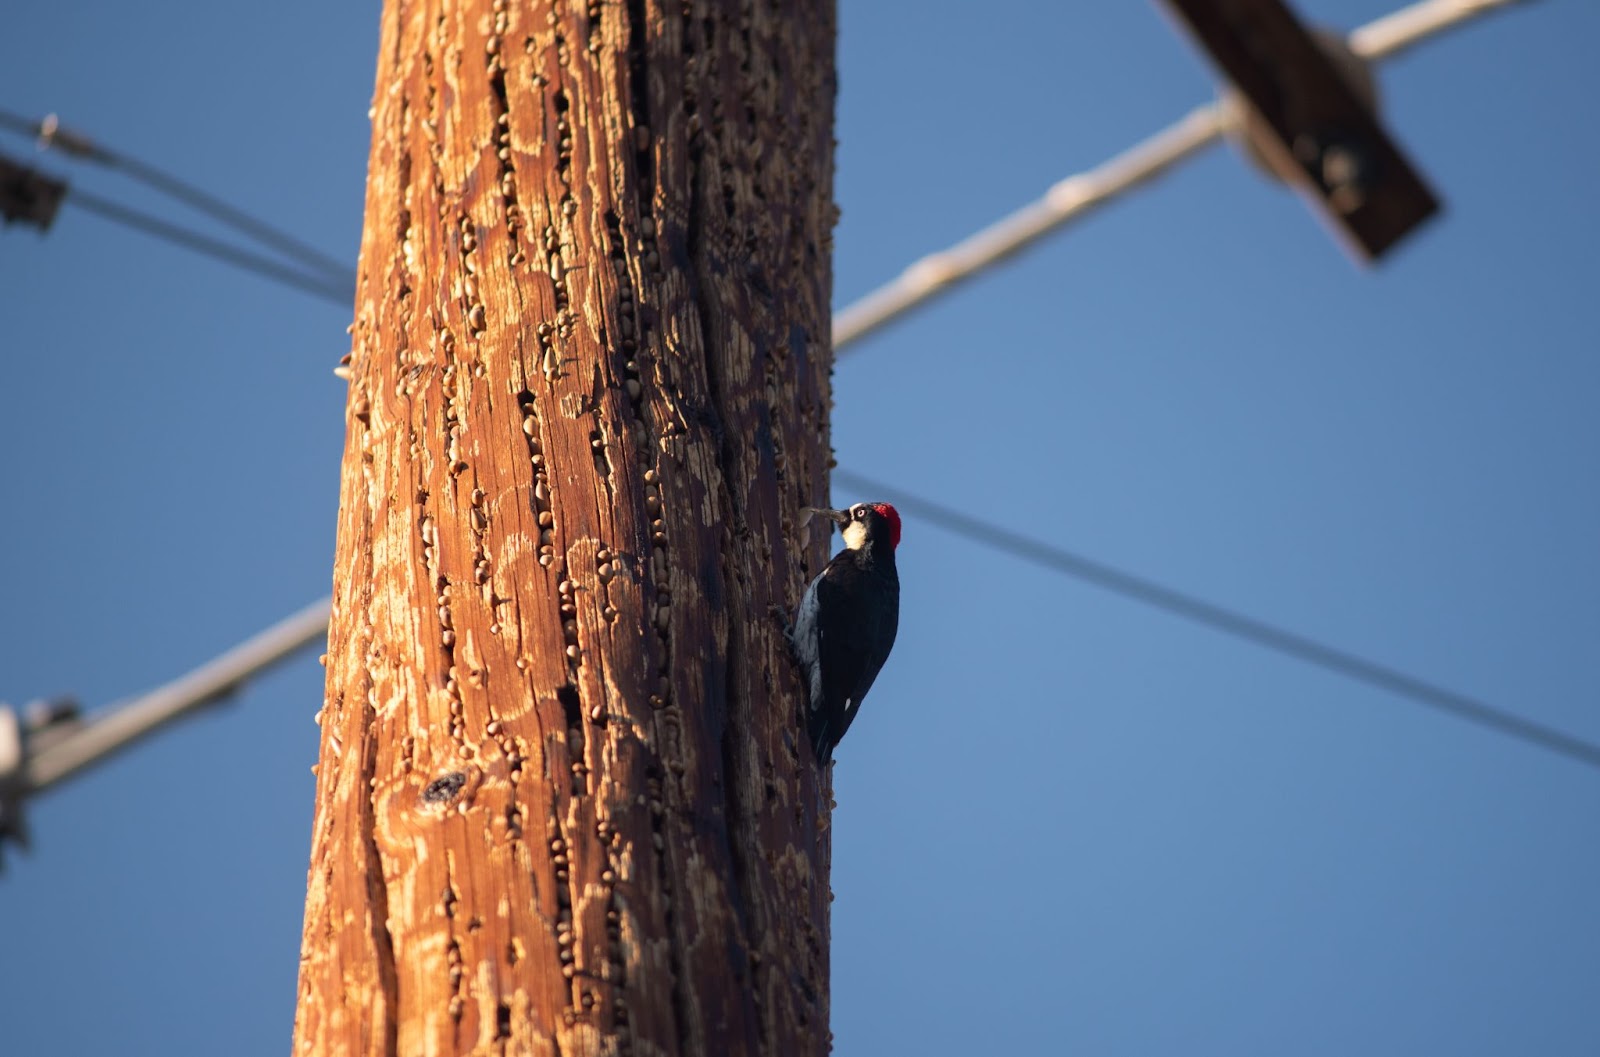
(855, 535)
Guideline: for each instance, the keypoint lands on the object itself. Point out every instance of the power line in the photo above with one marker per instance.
(207, 246)
(52, 135)
(1066, 201)
(923, 280)
(1076, 196)
(85, 742)
(1226, 620)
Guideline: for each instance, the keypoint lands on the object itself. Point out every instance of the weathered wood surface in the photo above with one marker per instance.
(562, 807)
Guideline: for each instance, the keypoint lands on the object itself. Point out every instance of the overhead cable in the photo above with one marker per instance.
(1228, 621)
(1065, 201)
(52, 135)
(338, 292)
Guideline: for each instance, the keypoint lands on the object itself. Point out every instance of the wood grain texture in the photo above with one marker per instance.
(563, 806)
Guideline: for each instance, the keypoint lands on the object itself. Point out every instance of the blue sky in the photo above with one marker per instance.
(1068, 823)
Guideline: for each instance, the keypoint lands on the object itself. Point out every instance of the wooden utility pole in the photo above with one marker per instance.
(563, 806)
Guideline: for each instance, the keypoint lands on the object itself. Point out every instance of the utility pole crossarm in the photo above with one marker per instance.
(1065, 201)
(118, 727)
(1076, 196)
(1307, 119)
(28, 195)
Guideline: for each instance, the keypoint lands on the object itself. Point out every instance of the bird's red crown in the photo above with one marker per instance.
(892, 516)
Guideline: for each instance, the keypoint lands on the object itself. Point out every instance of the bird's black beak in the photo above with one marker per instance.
(840, 516)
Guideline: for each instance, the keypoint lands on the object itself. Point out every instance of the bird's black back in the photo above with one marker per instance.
(862, 588)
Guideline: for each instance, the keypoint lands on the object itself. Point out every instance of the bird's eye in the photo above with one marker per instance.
(861, 513)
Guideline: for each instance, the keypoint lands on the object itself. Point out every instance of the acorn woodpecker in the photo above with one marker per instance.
(845, 625)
